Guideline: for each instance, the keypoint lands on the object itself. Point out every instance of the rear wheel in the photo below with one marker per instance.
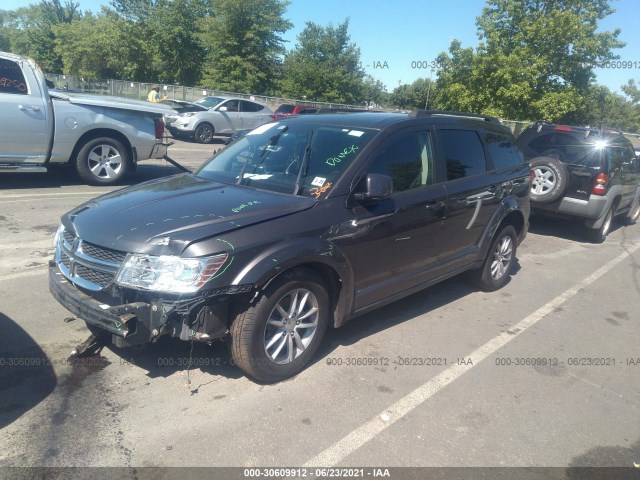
(102, 161)
(598, 235)
(204, 133)
(634, 213)
(277, 337)
(550, 179)
(496, 270)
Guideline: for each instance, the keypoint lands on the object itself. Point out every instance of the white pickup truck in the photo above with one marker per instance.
(101, 137)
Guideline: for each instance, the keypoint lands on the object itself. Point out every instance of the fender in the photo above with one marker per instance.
(280, 257)
(614, 191)
(507, 205)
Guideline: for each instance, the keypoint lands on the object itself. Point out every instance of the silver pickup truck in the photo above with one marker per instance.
(101, 137)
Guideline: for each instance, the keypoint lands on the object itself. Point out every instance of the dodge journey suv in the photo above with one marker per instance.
(299, 225)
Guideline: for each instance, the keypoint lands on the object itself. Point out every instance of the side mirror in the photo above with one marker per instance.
(377, 188)
(222, 109)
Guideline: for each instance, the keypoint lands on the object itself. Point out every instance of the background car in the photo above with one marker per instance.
(584, 173)
(180, 106)
(223, 119)
(210, 101)
(287, 110)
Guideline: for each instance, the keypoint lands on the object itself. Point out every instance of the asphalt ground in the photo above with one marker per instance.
(543, 373)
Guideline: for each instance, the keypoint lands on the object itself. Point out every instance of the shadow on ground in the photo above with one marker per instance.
(26, 373)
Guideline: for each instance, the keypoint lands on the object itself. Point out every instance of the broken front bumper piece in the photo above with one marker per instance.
(201, 318)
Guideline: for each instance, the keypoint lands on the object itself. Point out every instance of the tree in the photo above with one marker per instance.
(608, 109)
(420, 94)
(374, 91)
(324, 66)
(535, 59)
(102, 46)
(632, 91)
(42, 36)
(244, 43)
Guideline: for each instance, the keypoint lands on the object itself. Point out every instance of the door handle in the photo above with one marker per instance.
(435, 204)
(29, 108)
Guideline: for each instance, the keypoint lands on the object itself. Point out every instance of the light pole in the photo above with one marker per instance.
(426, 105)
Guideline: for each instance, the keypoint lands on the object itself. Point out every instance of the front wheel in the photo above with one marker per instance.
(102, 161)
(496, 269)
(204, 133)
(277, 337)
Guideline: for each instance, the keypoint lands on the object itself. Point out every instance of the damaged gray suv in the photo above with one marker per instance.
(297, 226)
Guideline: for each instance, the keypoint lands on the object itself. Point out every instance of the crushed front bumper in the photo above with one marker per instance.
(199, 318)
(130, 324)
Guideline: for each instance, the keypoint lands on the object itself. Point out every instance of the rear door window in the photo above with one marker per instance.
(11, 78)
(502, 150)
(463, 152)
(247, 106)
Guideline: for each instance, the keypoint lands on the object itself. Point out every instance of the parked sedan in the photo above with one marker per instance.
(223, 119)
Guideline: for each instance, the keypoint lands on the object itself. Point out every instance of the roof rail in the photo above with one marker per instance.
(449, 113)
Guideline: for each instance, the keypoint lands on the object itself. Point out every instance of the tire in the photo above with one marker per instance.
(550, 180)
(599, 235)
(634, 213)
(103, 161)
(204, 133)
(256, 332)
(496, 269)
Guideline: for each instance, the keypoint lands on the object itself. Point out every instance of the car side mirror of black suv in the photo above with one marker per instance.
(377, 188)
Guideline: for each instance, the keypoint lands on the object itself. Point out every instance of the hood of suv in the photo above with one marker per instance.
(164, 216)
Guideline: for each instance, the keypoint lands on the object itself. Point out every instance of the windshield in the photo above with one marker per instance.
(296, 158)
(210, 101)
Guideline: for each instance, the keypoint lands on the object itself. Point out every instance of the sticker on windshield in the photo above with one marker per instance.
(262, 129)
(257, 176)
(318, 181)
(356, 133)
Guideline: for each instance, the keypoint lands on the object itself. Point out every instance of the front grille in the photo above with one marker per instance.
(87, 265)
(68, 236)
(104, 254)
(94, 276)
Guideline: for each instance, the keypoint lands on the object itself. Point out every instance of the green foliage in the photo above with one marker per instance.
(421, 94)
(632, 91)
(244, 43)
(535, 59)
(374, 91)
(42, 37)
(605, 108)
(324, 66)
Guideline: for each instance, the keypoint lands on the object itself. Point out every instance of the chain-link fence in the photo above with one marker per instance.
(139, 91)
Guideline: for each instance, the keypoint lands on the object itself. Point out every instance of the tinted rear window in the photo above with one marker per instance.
(502, 150)
(463, 152)
(570, 148)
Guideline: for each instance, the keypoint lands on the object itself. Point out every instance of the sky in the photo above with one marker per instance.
(397, 38)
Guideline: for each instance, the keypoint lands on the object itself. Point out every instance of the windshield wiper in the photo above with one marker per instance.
(272, 141)
(305, 163)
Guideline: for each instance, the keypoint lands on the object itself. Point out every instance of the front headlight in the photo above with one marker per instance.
(187, 114)
(167, 273)
(58, 234)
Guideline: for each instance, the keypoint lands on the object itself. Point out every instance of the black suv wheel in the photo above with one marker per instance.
(276, 338)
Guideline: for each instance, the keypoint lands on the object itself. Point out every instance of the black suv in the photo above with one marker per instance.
(583, 173)
(299, 225)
